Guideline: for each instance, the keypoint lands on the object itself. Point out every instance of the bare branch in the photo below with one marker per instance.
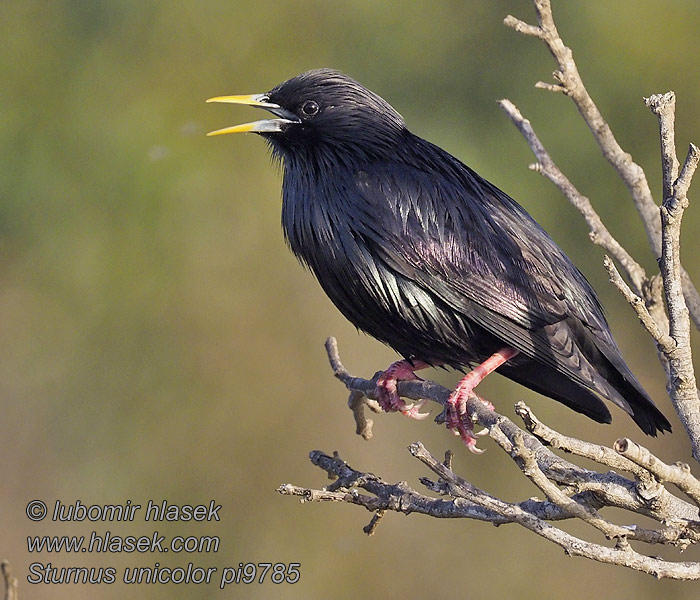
(550, 87)
(664, 106)
(554, 494)
(663, 340)
(678, 474)
(682, 387)
(600, 454)
(523, 27)
(385, 496)
(663, 227)
(567, 76)
(467, 501)
(614, 489)
(572, 491)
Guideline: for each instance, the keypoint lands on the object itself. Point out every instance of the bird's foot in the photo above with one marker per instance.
(458, 420)
(387, 392)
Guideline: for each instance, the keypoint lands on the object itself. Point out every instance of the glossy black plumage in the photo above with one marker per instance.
(422, 253)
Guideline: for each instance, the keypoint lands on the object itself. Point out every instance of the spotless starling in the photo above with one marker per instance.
(422, 253)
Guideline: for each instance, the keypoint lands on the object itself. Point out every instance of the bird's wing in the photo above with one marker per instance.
(467, 242)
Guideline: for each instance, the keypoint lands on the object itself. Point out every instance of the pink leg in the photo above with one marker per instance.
(457, 402)
(388, 395)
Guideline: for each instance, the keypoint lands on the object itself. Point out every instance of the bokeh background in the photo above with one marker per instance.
(157, 339)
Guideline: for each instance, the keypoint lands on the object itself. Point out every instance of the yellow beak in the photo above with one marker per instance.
(265, 126)
(251, 100)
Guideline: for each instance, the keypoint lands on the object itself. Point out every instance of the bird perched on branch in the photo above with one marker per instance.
(422, 253)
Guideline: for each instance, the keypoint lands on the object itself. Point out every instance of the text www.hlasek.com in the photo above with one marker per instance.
(115, 544)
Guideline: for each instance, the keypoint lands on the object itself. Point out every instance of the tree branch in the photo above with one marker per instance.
(571, 490)
(678, 474)
(662, 226)
(682, 387)
(663, 341)
(569, 81)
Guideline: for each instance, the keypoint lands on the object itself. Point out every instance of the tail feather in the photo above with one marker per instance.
(628, 395)
(635, 400)
(556, 385)
(639, 405)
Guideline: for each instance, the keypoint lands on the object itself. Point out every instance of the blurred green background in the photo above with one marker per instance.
(158, 341)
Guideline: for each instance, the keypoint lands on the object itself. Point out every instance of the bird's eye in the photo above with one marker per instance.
(310, 108)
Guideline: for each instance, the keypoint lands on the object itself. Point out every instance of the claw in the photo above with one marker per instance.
(469, 440)
(481, 433)
(474, 450)
(387, 392)
(413, 410)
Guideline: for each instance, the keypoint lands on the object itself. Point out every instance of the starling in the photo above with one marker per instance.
(425, 255)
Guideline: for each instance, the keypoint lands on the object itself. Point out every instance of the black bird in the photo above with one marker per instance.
(422, 253)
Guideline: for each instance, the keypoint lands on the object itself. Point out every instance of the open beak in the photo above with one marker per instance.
(266, 126)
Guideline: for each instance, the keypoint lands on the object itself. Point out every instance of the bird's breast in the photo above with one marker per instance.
(328, 231)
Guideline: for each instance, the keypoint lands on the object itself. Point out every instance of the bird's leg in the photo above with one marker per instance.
(387, 393)
(457, 402)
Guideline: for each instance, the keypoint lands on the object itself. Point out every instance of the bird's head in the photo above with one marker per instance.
(319, 111)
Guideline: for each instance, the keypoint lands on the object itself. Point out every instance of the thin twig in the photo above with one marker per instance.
(664, 107)
(600, 454)
(663, 340)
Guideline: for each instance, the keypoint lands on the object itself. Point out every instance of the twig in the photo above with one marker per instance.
(600, 454)
(664, 341)
(664, 107)
(678, 474)
(554, 494)
(461, 487)
(9, 580)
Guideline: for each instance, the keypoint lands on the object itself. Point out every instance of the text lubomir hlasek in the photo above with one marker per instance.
(154, 511)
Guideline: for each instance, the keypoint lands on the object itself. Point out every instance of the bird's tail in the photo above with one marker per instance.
(624, 390)
(610, 383)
